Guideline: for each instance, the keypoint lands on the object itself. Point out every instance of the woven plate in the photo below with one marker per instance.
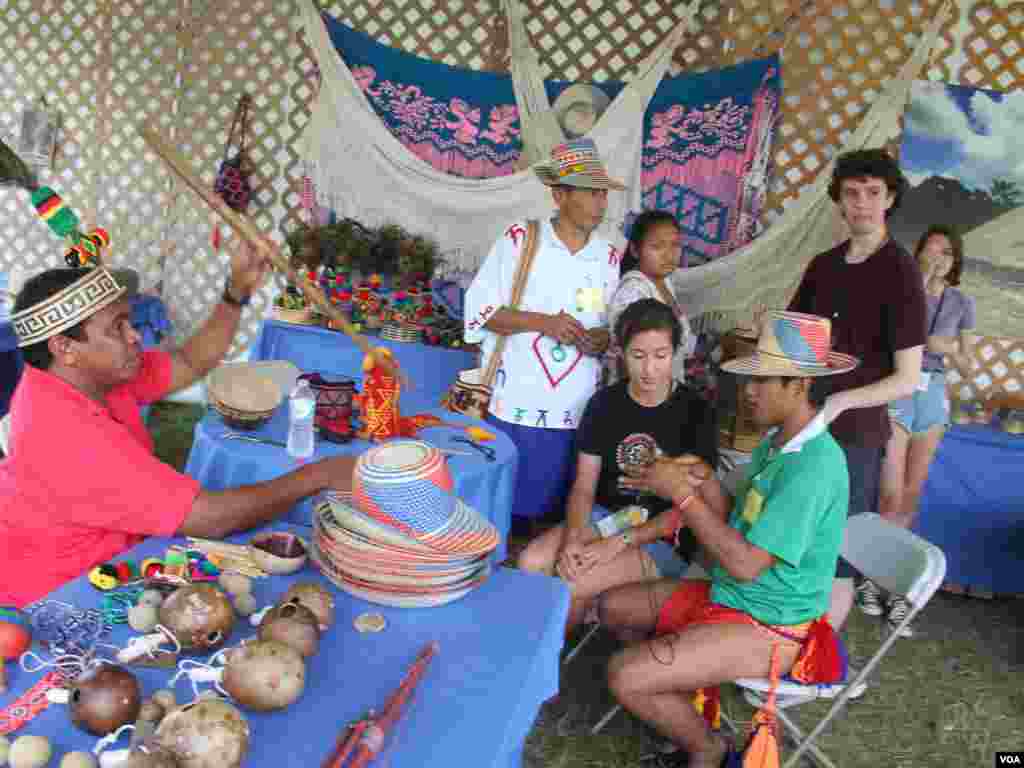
(243, 388)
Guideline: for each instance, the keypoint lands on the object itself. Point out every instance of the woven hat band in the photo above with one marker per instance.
(67, 308)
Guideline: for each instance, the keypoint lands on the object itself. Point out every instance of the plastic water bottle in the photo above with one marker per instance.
(301, 410)
(628, 517)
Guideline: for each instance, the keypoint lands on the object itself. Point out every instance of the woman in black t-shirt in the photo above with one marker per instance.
(633, 422)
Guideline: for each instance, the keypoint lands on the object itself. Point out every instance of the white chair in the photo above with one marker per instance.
(901, 563)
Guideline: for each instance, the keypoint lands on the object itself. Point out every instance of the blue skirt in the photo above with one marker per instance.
(547, 468)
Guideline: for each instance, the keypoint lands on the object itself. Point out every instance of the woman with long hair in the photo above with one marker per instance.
(920, 420)
(624, 427)
(652, 255)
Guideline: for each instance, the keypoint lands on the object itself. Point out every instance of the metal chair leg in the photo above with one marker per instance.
(606, 719)
(579, 646)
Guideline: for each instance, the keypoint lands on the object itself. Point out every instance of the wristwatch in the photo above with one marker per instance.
(228, 298)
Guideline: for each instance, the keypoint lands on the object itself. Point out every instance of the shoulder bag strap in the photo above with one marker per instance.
(238, 121)
(526, 256)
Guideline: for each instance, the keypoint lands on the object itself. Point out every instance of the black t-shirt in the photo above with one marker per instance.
(614, 427)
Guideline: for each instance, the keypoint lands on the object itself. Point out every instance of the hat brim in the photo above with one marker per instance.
(763, 365)
(549, 177)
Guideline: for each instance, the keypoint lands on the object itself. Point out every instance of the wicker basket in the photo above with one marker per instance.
(304, 316)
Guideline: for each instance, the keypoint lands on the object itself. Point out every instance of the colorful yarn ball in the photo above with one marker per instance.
(54, 211)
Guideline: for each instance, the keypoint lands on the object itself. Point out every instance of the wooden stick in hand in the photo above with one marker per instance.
(248, 231)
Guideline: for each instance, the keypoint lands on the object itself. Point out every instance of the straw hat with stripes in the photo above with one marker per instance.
(576, 164)
(793, 344)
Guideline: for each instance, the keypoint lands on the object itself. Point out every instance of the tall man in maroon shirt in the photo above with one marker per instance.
(871, 289)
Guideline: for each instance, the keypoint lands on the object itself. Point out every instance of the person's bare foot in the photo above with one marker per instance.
(711, 757)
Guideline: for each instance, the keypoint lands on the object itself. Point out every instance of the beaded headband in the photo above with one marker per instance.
(79, 301)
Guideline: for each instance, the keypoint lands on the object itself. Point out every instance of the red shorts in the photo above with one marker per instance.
(691, 605)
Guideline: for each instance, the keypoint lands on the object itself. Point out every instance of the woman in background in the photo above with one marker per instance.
(920, 420)
(652, 255)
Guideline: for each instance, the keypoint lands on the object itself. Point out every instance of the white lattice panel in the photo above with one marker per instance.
(997, 368)
(181, 64)
(47, 52)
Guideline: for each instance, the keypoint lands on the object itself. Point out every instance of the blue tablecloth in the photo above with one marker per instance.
(430, 369)
(486, 486)
(498, 662)
(973, 507)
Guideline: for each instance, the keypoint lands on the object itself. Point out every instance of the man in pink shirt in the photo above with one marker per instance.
(82, 484)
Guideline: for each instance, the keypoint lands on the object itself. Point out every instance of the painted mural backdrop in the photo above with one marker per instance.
(961, 154)
(707, 137)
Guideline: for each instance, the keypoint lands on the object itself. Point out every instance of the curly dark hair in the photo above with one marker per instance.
(873, 163)
(647, 315)
(955, 240)
(37, 289)
(641, 226)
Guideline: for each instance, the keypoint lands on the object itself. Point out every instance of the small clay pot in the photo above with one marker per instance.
(199, 615)
(278, 552)
(294, 625)
(264, 675)
(208, 733)
(104, 698)
(315, 597)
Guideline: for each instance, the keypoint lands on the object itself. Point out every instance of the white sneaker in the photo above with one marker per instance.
(898, 610)
(820, 691)
(869, 598)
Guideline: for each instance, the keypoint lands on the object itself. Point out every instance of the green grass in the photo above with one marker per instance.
(948, 698)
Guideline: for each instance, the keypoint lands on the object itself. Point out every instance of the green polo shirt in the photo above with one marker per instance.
(793, 504)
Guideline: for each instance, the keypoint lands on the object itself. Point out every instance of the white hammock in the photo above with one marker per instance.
(367, 174)
(768, 269)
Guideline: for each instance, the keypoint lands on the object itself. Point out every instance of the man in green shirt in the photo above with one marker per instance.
(774, 555)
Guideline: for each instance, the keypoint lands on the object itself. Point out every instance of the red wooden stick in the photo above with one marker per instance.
(371, 739)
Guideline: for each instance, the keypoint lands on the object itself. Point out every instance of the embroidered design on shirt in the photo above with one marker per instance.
(542, 418)
(556, 360)
(567, 419)
(613, 256)
(636, 451)
(514, 233)
(482, 317)
(520, 412)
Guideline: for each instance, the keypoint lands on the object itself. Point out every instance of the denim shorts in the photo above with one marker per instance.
(923, 409)
(670, 564)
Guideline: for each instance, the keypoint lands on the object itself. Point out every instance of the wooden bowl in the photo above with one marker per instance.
(278, 552)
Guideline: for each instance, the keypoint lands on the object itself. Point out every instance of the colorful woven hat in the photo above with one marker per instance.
(406, 484)
(793, 344)
(576, 164)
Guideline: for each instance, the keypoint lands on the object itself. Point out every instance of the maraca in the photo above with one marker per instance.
(15, 639)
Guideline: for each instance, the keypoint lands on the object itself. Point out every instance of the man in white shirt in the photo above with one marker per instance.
(556, 336)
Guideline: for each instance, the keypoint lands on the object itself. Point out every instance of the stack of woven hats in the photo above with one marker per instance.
(403, 538)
